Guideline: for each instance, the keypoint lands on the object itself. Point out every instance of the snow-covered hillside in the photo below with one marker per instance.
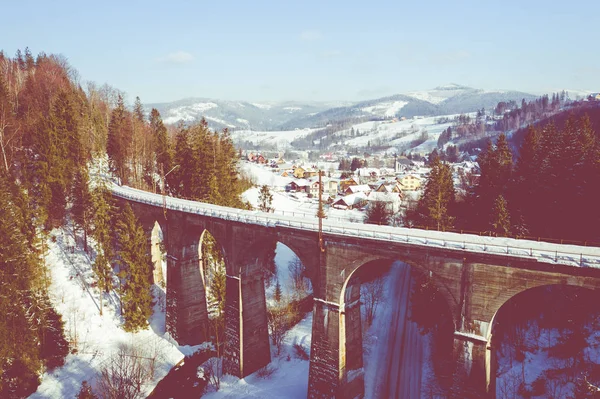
(95, 338)
(237, 114)
(290, 115)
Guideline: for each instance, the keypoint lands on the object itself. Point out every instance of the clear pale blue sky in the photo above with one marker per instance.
(313, 49)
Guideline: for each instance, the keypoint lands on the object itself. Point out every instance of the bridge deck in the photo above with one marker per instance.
(571, 255)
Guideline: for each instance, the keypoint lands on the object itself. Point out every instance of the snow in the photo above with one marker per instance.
(221, 121)
(292, 109)
(187, 112)
(572, 255)
(290, 378)
(97, 337)
(262, 106)
(282, 138)
(264, 176)
(387, 109)
(397, 133)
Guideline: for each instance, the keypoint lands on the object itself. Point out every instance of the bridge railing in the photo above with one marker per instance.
(542, 251)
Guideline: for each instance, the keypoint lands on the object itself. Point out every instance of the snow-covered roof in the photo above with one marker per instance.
(359, 188)
(351, 199)
(385, 197)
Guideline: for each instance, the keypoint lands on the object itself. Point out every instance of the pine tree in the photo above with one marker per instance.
(434, 207)
(20, 360)
(203, 163)
(525, 181)
(500, 217)
(180, 180)
(496, 165)
(118, 143)
(379, 213)
(102, 233)
(162, 152)
(82, 204)
(135, 265)
(86, 392)
(265, 198)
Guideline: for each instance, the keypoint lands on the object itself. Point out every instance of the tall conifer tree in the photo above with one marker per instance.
(136, 265)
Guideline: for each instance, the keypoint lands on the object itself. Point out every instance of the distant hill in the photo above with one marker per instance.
(238, 114)
(443, 100)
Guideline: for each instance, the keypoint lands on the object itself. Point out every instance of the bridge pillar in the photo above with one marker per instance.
(472, 355)
(336, 352)
(247, 346)
(187, 314)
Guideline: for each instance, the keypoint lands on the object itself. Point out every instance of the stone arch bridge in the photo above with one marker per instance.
(476, 275)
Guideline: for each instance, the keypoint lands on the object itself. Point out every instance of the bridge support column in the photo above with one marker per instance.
(187, 315)
(336, 353)
(247, 346)
(472, 365)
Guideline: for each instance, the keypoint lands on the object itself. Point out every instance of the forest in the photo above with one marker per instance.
(52, 128)
(547, 191)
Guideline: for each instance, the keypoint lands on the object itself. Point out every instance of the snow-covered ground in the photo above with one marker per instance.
(537, 340)
(290, 378)
(95, 337)
(282, 138)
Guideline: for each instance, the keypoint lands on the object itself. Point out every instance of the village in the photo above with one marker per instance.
(348, 193)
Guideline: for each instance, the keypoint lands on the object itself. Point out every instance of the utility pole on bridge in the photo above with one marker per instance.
(321, 213)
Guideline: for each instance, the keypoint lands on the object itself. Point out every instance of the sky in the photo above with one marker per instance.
(313, 49)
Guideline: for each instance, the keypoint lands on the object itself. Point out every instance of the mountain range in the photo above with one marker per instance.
(289, 115)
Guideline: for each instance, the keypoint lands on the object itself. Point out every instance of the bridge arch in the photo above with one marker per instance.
(351, 345)
(515, 299)
(449, 297)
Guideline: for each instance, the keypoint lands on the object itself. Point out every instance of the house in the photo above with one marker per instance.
(392, 200)
(260, 159)
(310, 173)
(345, 183)
(594, 97)
(287, 173)
(402, 163)
(362, 188)
(299, 185)
(380, 186)
(313, 188)
(351, 201)
(409, 182)
(330, 186)
(396, 188)
(299, 172)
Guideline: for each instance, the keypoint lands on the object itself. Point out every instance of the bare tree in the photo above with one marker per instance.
(299, 282)
(371, 294)
(277, 321)
(211, 372)
(125, 372)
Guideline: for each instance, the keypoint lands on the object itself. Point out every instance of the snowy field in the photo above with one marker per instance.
(290, 378)
(282, 138)
(97, 337)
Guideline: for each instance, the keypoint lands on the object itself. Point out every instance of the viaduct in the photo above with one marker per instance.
(476, 276)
